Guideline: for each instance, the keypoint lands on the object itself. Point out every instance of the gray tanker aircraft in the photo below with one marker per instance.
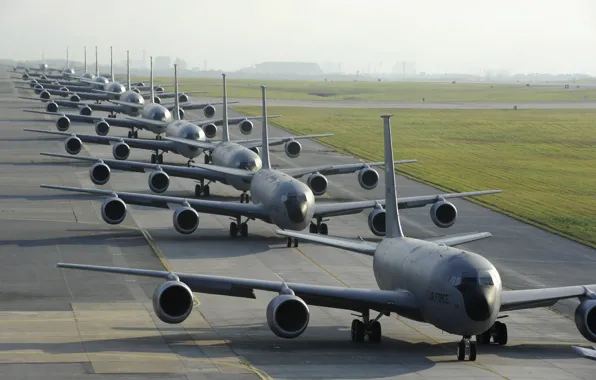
(277, 197)
(457, 291)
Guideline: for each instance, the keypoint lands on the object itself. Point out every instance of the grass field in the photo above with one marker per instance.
(385, 91)
(543, 160)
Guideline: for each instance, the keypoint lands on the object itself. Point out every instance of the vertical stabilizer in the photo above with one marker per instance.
(152, 91)
(96, 63)
(111, 65)
(265, 147)
(176, 95)
(128, 71)
(85, 57)
(226, 128)
(392, 223)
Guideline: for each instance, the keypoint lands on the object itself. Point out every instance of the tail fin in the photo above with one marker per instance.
(152, 92)
(129, 88)
(392, 223)
(85, 56)
(176, 96)
(96, 63)
(111, 65)
(226, 128)
(265, 147)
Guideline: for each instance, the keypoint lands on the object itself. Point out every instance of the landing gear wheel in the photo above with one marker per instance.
(461, 351)
(160, 158)
(206, 190)
(130, 134)
(312, 228)
(153, 158)
(472, 356)
(135, 134)
(484, 338)
(244, 229)
(323, 229)
(375, 332)
(198, 191)
(466, 347)
(357, 331)
(207, 159)
(292, 240)
(233, 229)
(501, 333)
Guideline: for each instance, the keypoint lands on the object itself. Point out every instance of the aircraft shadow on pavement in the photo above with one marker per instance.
(29, 139)
(34, 162)
(126, 238)
(52, 197)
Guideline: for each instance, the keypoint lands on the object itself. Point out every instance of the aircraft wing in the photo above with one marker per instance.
(336, 169)
(453, 240)
(347, 208)
(244, 175)
(165, 95)
(125, 123)
(59, 102)
(278, 140)
(205, 145)
(231, 120)
(531, 298)
(400, 301)
(232, 209)
(155, 123)
(360, 246)
(149, 144)
(128, 104)
(144, 167)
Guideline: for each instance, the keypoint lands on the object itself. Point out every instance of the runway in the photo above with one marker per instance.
(68, 324)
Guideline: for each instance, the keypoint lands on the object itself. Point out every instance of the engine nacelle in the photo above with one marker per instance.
(64, 88)
(443, 214)
(38, 89)
(172, 302)
(182, 98)
(120, 151)
(159, 181)
(210, 130)
(317, 183)
(44, 95)
(102, 128)
(368, 178)
(75, 98)
(158, 89)
(136, 90)
(293, 148)
(52, 107)
(376, 222)
(585, 319)
(181, 113)
(43, 77)
(156, 99)
(245, 127)
(25, 76)
(256, 150)
(209, 111)
(63, 123)
(113, 210)
(73, 145)
(86, 111)
(99, 173)
(287, 316)
(186, 220)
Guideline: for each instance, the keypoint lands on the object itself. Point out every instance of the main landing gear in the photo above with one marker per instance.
(201, 189)
(292, 241)
(318, 228)
(158, 137)
(498, 333)
(244, 198)
(238, 228)
(208, 159)
(112, 116)
(157, 158)
(366, 327)
(133, 134)
(466, 348)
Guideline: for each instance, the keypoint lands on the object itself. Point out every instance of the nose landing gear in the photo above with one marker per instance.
(466, 348)
(292, 241)
(202, 190)
(157, 158)
(133, 134)
(244, 198)
(238, 228)
(366, 327)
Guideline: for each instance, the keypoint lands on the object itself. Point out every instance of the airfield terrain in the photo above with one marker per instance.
(60, 324)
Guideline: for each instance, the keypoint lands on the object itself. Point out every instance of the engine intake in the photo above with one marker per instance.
(73, 145)
(120, 151)
(376, 222)
(368, 178)
(209, 111)
(156, 99)
(75, 98)
(44, 95)
(99, 173)
(585, 319)
(256, 150)
(293, 148)
(86, 111)
(102, 128)
(159, 181)
(113, 210)
(182, 98)
(64, 88)
(287, 316)
(210, 130)
(317, 183)
(38, 89)
(245, 127)
(63, 123)
(443, 214)
(181, 113)
(172, 302)
(158, 89)
(52, 107)
(186, 220)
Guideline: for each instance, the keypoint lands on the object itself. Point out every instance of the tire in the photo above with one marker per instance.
(312, 228)
(358, 331)
(206, 191)
(323, 229)
(461, 351)
(375, 333)
(244, 229)
(501, 338)
(233, 229)
(198, 191)
(472, 356)
(153, 158)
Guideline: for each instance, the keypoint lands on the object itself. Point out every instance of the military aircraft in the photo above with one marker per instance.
(277, 197)
(457, 291)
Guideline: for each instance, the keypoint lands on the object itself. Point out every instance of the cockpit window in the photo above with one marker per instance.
(299, 198)
(483, 279)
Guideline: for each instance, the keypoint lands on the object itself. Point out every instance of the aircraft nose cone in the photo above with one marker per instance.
(296, 210)
(479, 301)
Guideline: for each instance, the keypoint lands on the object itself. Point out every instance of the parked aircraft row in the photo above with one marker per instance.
(426, 280)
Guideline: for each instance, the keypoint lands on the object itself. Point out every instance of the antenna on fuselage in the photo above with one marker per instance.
(176, 99)
(96, 63)
(128, 70)
(265, 154)
(152, 92)
(226, 128)
(111, 65)
(392, 224)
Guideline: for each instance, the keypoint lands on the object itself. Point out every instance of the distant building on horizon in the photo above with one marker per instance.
(285, 68)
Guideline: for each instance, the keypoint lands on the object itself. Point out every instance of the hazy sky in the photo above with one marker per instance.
(439, 35)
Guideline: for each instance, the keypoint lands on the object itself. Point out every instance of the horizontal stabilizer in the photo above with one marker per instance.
(360, 246)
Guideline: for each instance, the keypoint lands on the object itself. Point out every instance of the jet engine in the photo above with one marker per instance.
(113, 210)
(376, 221)
(63, 123)
(102, 128)
(38, 89)
(99, 173)
(159, 181)
(73, 145)
(317, 183)
(159, 89)
(245, 127)
(585, 319)
(209, 111)
(156, 99)
(186, 220)
(120, 150)
(44, 95)
(52, 107)
(210, 130)
(293, 148)
(256, 150)
(181, 113)
(75, 98)
(287, 316)
(86, 111)
(25, 76)
(136, 90)
(183, 98)
(172, 302)
(368, 178)
(43, 77)
(64, 88)
(443, 214)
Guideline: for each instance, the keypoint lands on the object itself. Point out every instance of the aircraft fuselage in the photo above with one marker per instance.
(231, 155)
